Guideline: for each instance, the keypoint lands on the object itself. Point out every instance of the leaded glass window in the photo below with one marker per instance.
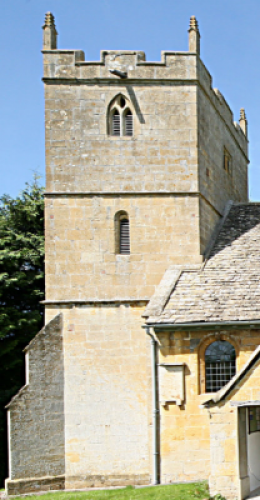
(220, 364)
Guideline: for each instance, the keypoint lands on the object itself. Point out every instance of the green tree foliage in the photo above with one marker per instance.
(21, 289)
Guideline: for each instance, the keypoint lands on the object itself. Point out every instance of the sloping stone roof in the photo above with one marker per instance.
(227, 287)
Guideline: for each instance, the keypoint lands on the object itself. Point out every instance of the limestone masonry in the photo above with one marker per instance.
(148, 230)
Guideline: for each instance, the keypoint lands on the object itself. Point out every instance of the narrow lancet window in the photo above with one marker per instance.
(116, 123)
(122, 233)
(128, 123)
(124, 236)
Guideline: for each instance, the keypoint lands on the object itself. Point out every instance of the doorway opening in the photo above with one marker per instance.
(249, 450)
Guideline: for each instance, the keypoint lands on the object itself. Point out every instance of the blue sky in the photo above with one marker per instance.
(230, 48)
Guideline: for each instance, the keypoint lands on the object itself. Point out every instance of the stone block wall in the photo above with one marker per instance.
(224, 474)
(107, 395)
(192, 447)
(180, 129)
(170, 184)
(81, 259)
(81, 156)
(36, 417)
(215, 132)
(208, 219)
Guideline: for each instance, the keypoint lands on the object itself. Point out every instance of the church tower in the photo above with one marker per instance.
(141, 159)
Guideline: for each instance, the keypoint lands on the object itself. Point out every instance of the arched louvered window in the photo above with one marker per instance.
(124, 236)
(116, 123)
(122, 233)
(128, 122)
(120, 117)
(220, 364)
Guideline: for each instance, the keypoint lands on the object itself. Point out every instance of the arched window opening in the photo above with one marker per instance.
(124, 237)
(122, 233)
(220, 364)
(120, 117)
(116, 123)
(128, 122)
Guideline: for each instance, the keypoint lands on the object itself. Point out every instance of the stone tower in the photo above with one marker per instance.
(149, 152)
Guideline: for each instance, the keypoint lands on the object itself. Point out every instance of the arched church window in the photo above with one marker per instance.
(122, 233)
(220, 364)
(124, 236)
(120, 117)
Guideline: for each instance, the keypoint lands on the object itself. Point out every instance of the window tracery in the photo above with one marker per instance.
(121, 121)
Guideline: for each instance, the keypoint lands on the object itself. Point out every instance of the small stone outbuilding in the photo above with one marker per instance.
(194, 312)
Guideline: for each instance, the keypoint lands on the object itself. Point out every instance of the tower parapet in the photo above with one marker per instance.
(175, 67)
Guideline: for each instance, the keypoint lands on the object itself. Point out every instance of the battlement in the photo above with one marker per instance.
(119, 66)
(126, 67)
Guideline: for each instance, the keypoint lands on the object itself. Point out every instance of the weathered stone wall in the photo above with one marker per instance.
(36, 416)
(107, 395)
(215, 132)
(82, 156)
(208, 219)
(180, 130)
(187, 448)
(156, 177)
(81, 259)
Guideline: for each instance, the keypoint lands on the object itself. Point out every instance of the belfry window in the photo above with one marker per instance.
(116, 123)
(120, 117)
(128, 123)
(122, 233)
(220, 364)
(124, 236)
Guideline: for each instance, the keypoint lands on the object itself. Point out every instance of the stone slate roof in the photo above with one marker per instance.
(227, 287)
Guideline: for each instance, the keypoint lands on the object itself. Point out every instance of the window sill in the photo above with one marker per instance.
(120, 137)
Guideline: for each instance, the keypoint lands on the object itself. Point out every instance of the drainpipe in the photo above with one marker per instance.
(154, 410)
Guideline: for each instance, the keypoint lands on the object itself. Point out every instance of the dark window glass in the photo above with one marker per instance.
(220, 364)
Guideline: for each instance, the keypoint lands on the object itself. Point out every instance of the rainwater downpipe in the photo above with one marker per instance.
(154, 407)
